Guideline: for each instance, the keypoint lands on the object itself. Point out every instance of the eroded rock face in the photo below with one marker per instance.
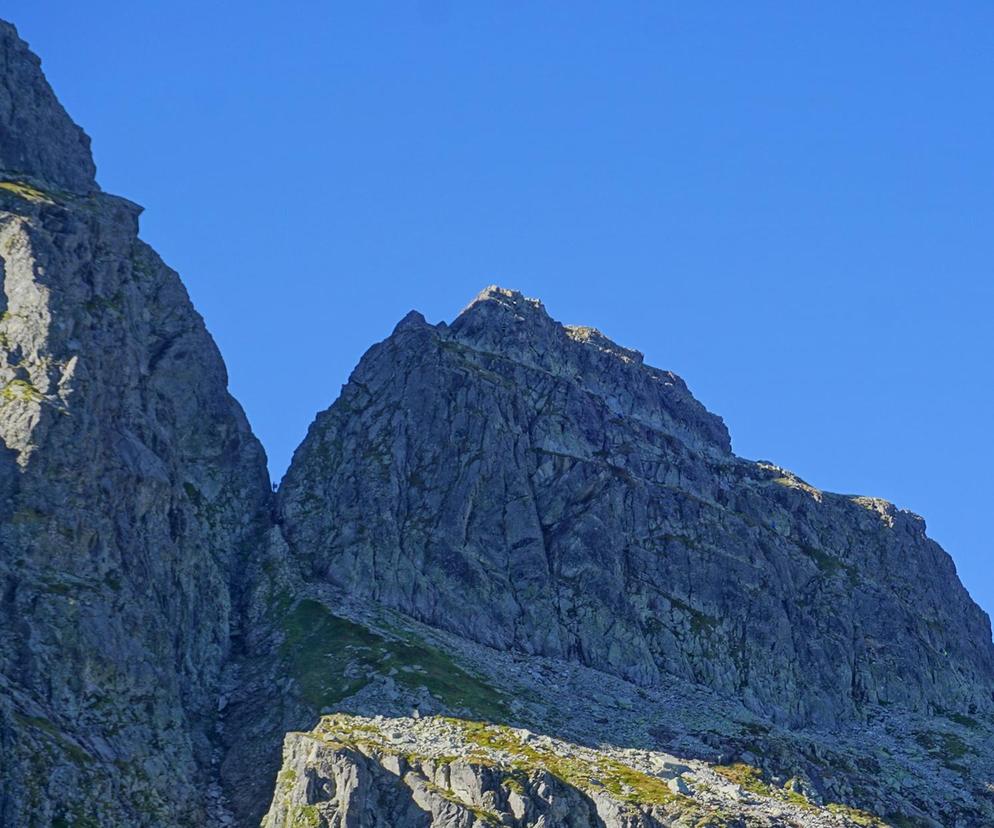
(536, 487)
(38, 140)
(340, 785)
(527, 562)
(446, 773)
(131, 493)
(415, 701)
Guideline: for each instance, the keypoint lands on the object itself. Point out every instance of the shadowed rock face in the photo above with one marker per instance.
(38, 140)
(131, 491)
(502, 519)
(537, 487)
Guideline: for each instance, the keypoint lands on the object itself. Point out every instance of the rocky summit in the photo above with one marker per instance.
(514, 575)
(537, 488)
(132, 492)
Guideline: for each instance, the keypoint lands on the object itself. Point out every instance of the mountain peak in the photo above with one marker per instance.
(497, 297)
(38, 139)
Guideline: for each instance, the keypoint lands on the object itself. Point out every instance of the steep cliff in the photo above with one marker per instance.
(536, 487)
(442, 731)
(37, 138)
(131, 493)
(514, 576)
(511, 521)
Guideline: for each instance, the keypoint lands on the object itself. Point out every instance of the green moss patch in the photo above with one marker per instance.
(828, 564)
(66, 745)
(26, 191)
(331, 658)
(751, 779)
(746, 777)
(699, 621)
(944, 745)
(20, 391)
(624, 783)
(965, 721)
(856, 816)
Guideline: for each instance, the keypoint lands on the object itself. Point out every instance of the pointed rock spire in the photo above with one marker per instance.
(38, 139)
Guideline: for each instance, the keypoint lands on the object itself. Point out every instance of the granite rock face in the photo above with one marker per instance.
(38, 140)
(415, 702)
(446, 773)
(537, 488)
(131, 492)
(513, 576)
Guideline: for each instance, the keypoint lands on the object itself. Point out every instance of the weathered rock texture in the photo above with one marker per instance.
(603, 738)
(445, 773)
(38, 140)
(131, 492)
(505, 521)
(536, 487)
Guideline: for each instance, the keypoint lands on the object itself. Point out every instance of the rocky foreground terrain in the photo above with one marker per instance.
(514, 576)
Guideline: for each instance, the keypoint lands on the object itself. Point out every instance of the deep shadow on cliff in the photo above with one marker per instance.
(501, 520)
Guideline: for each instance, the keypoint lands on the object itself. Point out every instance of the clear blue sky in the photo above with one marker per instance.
(789, 204)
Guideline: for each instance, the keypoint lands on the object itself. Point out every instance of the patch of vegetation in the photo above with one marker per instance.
(756, 728)
(795, 482)
(623, 782)
(303, 816)
(20, 390)
(514, 782)
(74, 820)
(878, 505)
(856, 816)
(683, 540)
(903, 821)
(50, 729)
(27, 192)
(796, 798)
(331, 658)
(943, 746)
(699, 621)
(966, 721)
(746, 777)
(486, 817)
(140, 262)
(826, 563)
(27, 516)
(751, 779)
(100, 304)
(286, 779)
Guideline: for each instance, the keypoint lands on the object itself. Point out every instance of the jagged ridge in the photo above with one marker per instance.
(588, 555)
(539, 488)
(38, 140)
(132, 494)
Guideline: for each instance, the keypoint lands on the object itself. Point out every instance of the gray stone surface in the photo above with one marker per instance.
(914, 769)
(327, 782)
(131, 492)
(445, 773)
(38, 140)
(501, 520)
(535, 487)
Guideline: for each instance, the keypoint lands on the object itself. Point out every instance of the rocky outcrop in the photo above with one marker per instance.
(511, 521)
(522, 569)
(38, 140)
(538, 488)
(428, 696)
(351, 772)
(131, 494)
(445, 773)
